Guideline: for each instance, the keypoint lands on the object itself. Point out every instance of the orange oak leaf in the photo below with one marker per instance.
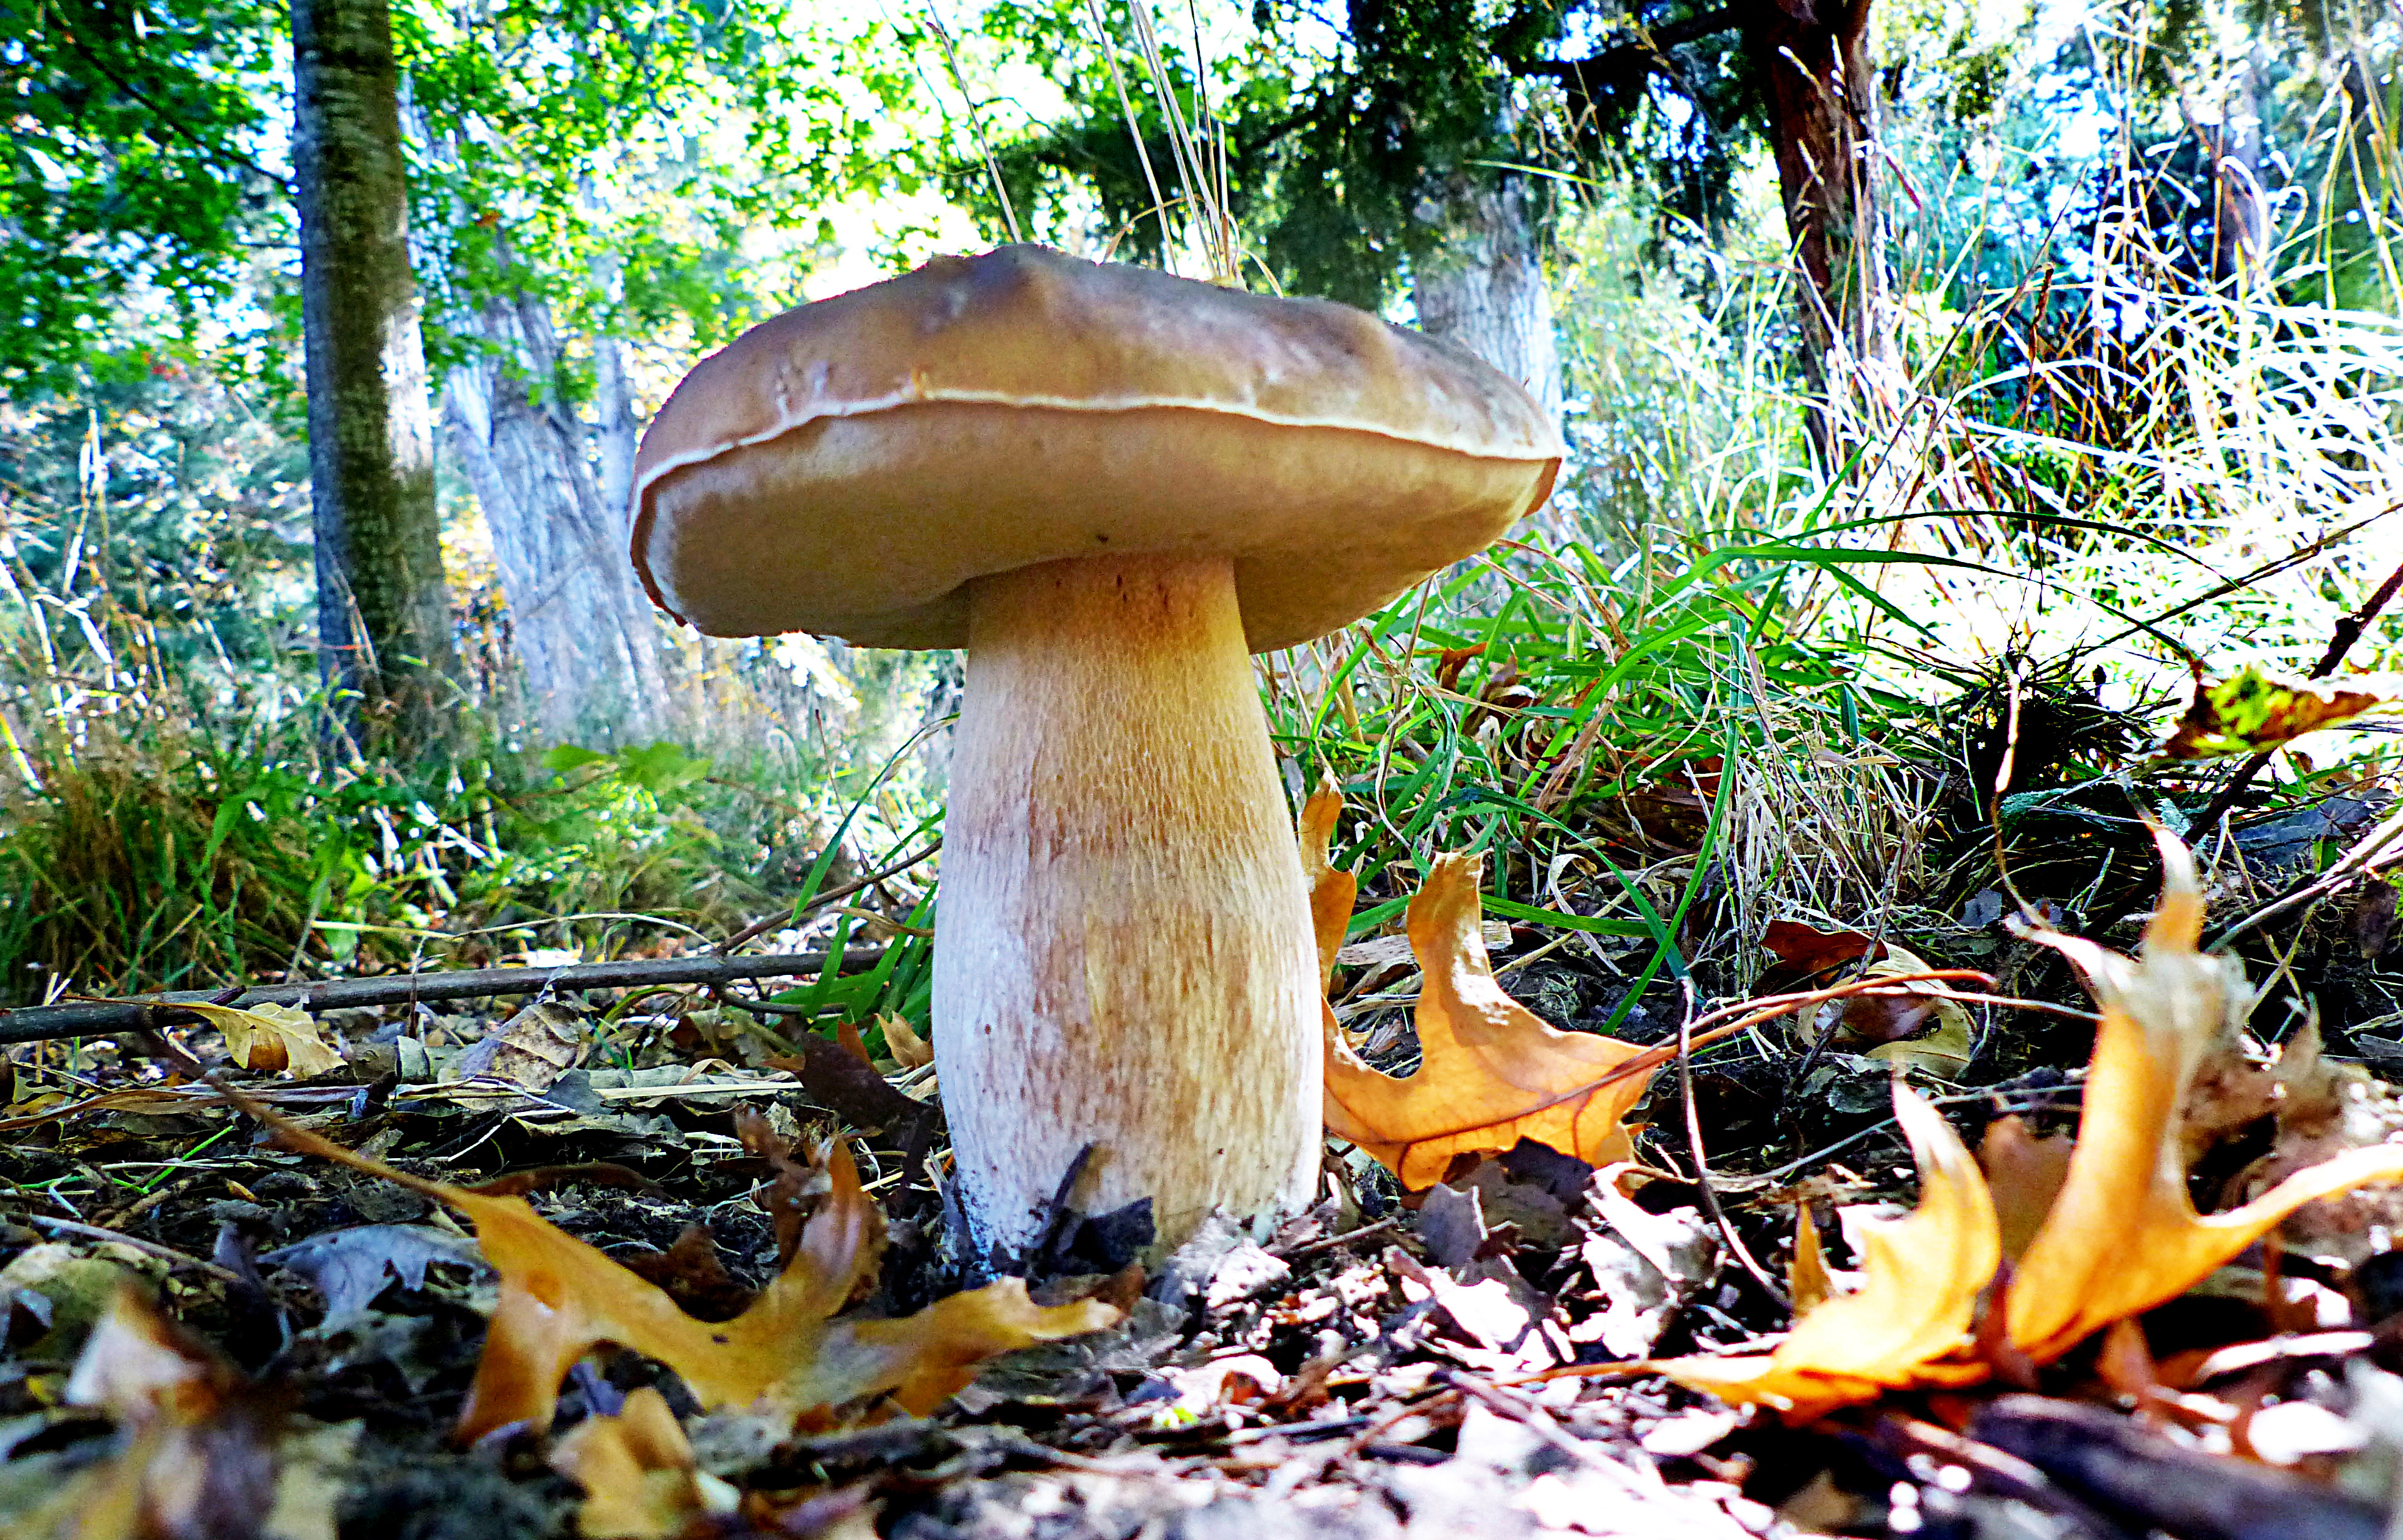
(637, 1472)
(1911, 1319)
(560, 1299)
(2123, 1236)
(1491, 1073)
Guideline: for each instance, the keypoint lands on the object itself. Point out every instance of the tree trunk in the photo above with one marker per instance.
(583, 630)
(1821, 90)
(384, 610)
(1484, 290)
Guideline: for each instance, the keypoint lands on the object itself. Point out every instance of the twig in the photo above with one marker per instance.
(166, 1254)
(2371, 854)
(1736, 1247)
(147, 1013)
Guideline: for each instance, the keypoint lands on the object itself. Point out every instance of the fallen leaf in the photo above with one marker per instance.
(529, 1050)
(2024, 1173)
(909, 1050)
(2124, 1235)
(199, 1455)
(351, 1266)
(637, 1473)
(273, 1039)
(1332, 893)
(2121, 1236)
(2255, 710)
(2326, 1109)
(1897, 1021)
(560, 1299)
(1491, 1073)
(1806, 1276)
(1902, 1328)
(1645, 1265)
(1803, 952)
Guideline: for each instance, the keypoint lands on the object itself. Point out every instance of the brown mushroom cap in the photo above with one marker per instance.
(848, 466)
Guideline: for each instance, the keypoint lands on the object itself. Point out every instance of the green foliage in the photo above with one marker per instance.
(133, 178)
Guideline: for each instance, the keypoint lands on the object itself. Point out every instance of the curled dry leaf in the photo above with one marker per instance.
(1491, 1073)
(2255, 712)
(2120, 1237)
(273, 1039)
(199, 1455)
(637, 1473)
(909, 1050)
(2124, 1235)
(560, 1299)
(532, 1049)
(1907, 1322)
(1895, 1019)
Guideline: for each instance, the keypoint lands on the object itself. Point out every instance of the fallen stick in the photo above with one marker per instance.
(147, 1013)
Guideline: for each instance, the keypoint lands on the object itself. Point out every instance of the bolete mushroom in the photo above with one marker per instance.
(1110, 486)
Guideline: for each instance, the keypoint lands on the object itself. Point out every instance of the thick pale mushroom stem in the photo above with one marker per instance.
(1123, 951)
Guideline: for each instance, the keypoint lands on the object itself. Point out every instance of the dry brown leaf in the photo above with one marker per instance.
(1332, 893)
(637, 1473)
(560, 1299)
(1907, 1322)
(271, 1038)
(1490, 1071)
(909, 1050)
(2324, 1109)
(1943, 1052)
(201, 1453)
(532, 1049)
(2025, 1175)
(1805, 952)
(2124, 1235)
(2255, 712)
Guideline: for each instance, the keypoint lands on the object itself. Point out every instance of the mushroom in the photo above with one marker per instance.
(1111, 486)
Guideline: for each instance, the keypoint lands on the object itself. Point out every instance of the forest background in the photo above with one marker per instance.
(1926, 368)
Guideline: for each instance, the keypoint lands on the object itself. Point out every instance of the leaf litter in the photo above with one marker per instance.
(1503, 1319)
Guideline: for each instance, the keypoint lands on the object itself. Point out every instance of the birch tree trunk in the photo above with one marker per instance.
(383, 610)
(583, 630)
(1484, 290)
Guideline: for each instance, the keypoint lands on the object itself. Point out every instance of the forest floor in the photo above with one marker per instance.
(268, 1318)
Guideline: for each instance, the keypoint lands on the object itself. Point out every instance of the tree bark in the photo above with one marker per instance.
(1484, 290)
(384, 610)
(583, 630)
(1820, 88)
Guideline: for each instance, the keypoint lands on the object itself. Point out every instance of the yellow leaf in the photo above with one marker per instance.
(2256, 712)
(1943, 1052)
(272, 1038)
(1921, 1278)
(560, 1299)
(2123, 1236)
(1489, 1074)
(1331, 891)
(637, 1472)
(1806, 1276)
(909, 1050)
